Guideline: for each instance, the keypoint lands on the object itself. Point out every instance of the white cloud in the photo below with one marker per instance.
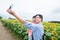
(27, 8)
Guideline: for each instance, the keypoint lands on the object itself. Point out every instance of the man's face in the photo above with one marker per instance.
(37, 19)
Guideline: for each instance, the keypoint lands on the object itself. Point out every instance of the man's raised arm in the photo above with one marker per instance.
(14, 14)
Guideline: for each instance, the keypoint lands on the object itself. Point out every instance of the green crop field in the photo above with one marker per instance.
(51, 30)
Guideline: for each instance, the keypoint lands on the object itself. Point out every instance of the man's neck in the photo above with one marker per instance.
(36, 23)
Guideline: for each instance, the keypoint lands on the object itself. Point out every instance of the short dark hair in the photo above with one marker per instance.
(39, 16)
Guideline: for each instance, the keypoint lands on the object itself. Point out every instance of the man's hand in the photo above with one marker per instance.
(11, 12)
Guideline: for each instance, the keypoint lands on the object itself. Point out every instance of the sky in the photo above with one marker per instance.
(50, 9)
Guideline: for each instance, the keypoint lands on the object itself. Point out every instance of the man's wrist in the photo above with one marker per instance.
(14, 14)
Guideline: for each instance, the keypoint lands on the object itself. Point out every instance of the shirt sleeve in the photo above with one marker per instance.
(27, 24)
(30, 25)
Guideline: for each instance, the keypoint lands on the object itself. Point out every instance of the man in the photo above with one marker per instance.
(37, 27)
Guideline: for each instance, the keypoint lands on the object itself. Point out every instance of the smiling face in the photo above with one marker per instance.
(37, 19)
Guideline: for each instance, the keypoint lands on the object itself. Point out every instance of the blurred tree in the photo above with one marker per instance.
(0, 17)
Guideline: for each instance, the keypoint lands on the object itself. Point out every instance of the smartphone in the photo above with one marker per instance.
(11, 6)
